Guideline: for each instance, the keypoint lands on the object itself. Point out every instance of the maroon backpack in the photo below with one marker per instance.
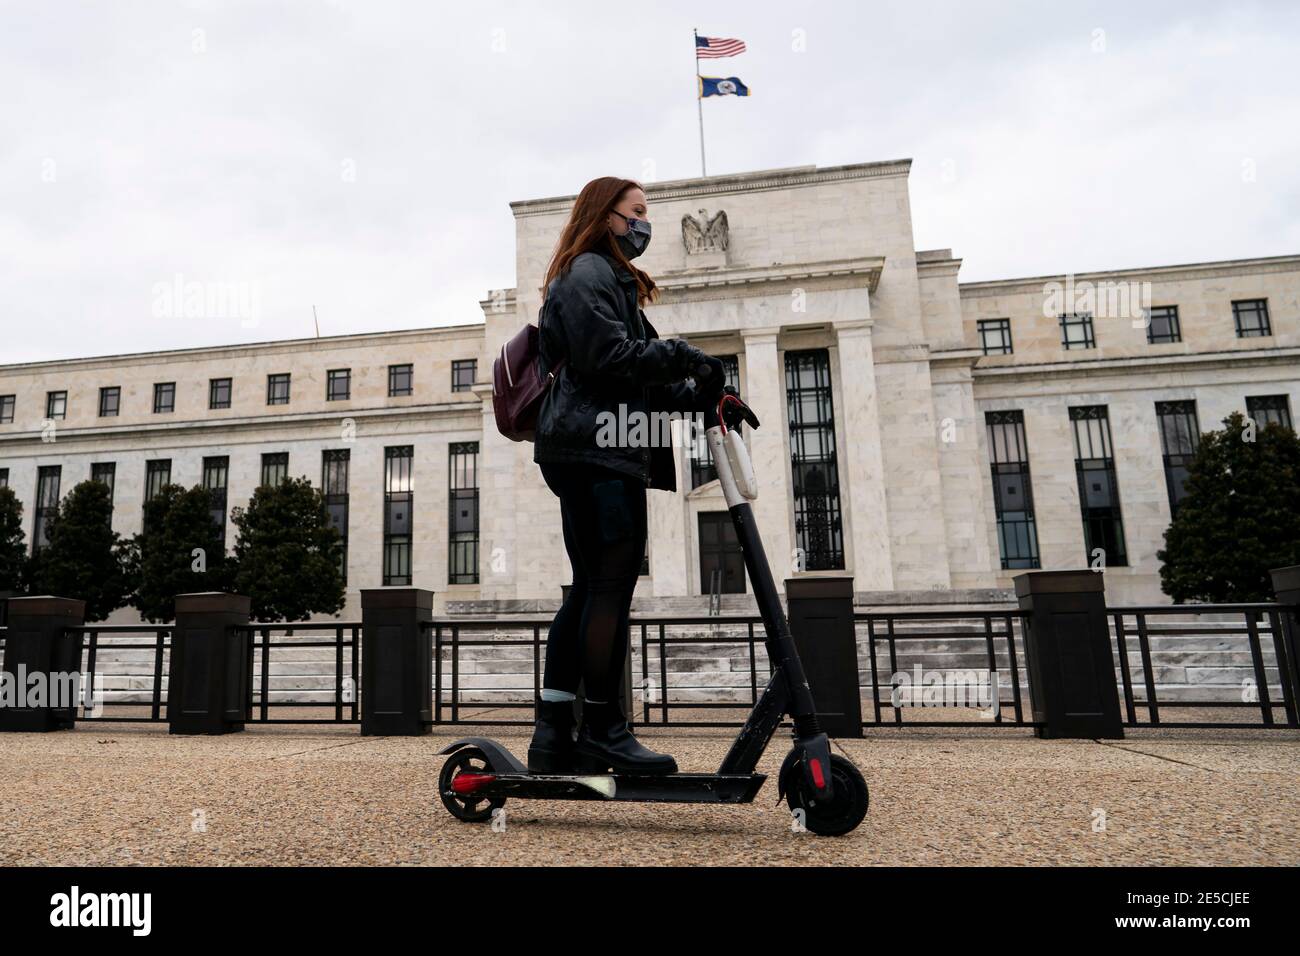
(518, 384)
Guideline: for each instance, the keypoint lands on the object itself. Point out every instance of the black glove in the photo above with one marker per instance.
(710, 375)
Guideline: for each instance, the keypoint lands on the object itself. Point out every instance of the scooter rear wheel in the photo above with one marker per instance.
(467, 807)
(847, 806)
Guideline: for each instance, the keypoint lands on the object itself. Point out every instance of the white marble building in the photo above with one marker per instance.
(845, 338)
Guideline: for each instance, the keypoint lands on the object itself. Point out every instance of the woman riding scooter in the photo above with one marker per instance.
(612, 367)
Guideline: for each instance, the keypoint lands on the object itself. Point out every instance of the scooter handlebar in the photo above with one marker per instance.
(730, 410)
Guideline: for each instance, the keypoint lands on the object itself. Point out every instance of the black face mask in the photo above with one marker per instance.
(634, 241)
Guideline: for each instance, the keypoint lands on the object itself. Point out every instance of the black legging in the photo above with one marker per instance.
(604, 515)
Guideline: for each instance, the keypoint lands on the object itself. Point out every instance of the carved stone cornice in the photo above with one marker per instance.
(738, 183)
(1194, 270)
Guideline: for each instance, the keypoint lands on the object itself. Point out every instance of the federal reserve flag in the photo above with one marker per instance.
(722, 86)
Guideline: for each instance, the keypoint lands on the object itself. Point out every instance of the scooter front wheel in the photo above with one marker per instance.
(466, 806)
(837, 816)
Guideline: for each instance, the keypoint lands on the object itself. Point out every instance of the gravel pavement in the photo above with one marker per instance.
(281, 795)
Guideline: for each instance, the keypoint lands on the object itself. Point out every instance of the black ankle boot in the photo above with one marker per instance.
(605, 741)
(552, 748)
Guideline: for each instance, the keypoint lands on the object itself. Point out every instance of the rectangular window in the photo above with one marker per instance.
(702, 468)
(1094, 465)
(56, 404)
(1013, 495)
(398, 502)
(335, 464)
(1179, 436)
(7, 403)
(815, 473)
(1076, 331)
(275, 468)
(218, 393)
(462, 496)
(164, 397)
(462, 374)
(105, 471)
(4, 477)
(338, 385)
(216, 477)
(400, 379)
(47, 504)
(277, 389)
(995, 336)
(722, 562)
(156, 474)
(1269, 409)
(1162, 325)
(1251, 318)
(110, 401)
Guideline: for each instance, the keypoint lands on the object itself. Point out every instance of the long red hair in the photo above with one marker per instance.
(587, 231)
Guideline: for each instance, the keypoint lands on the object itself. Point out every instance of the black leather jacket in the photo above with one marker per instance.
(614, 361)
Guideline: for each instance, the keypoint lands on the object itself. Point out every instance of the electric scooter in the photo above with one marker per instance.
(824, 790)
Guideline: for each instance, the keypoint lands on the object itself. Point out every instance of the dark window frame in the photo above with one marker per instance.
(332, 378)
(47, 504)
(399, 507)
(459, 366)
(1003, 329)
(157, 475)
(161, 391)
(107, 409)
(1094, 458)
(274, 381)
(105, 471)
(394, 374)
(8, 406)
(818, 515)
(336, 468)
(50, 399)
(1017, 526)
(462, 491)
(272, 462)
(1172, 330)
(216, 479)
(215, 386)
(1266, 409)
(1082, 320)
(1180, 435)
(1262, 326)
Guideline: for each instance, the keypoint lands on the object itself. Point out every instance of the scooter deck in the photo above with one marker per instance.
(659, 788)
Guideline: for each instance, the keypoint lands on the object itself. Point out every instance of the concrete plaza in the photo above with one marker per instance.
(122, 794)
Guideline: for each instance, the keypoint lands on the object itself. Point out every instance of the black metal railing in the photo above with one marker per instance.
(449, 641)
(345, 692)
(146, 702)
(995, 641)
(1235, 630)
(657, 691)
(138, 640)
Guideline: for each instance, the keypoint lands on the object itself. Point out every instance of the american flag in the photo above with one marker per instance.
(707, 48)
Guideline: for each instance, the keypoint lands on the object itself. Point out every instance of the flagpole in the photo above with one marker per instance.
(699, 99)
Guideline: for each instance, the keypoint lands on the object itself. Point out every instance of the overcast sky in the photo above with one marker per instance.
(361, 156)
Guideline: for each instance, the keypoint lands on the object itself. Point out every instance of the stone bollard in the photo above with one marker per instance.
(396, 662)
(821, 622)
(1071, 666)
(209, 689)
(36, 642)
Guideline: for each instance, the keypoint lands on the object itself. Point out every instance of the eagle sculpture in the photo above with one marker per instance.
(705, 234)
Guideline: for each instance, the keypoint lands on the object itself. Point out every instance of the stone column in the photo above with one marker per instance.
(862, 469)
(769, 446)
